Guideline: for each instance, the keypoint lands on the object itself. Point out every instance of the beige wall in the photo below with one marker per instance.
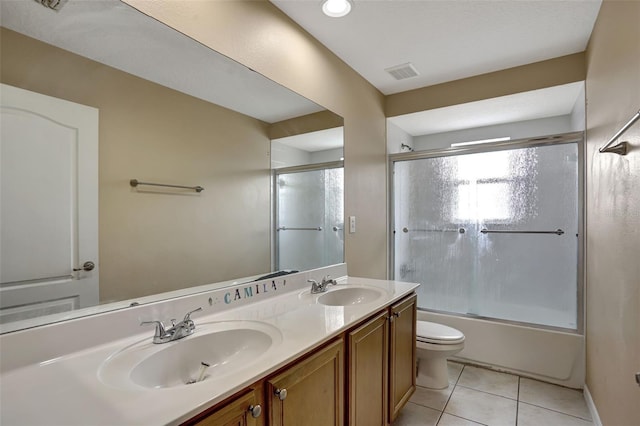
(538, 75)
(260, 36)
(155, 242)
(613, 215)
(305, 124)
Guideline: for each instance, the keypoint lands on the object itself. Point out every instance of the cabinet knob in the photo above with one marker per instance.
(281, 393)
(255, 411)
(396, 314)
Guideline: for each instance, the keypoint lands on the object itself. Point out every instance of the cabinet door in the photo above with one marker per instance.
(311, 392)
(242, 411)
(368, 372)
(402, 364)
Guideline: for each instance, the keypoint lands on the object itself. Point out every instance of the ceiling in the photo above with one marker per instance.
(446, 40)
(315, 141)
(115, 34)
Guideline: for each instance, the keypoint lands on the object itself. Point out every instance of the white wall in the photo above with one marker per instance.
(579, 113)
(287, 156)
(396, 137)
(327, 156)
(517, 130)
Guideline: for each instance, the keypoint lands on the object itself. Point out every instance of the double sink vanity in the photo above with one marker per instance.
(268, 352)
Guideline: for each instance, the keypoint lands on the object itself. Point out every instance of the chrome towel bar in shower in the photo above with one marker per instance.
(458, 230)
(622, 147)
(136, 182)
(284, 228)
(488, 231)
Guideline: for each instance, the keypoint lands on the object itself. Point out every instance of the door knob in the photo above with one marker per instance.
(86, 266)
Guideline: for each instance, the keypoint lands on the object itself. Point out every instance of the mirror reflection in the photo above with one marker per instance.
(308, 200)
(150, 104)
(308, 191)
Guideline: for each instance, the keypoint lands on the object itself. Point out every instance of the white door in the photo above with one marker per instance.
(48, 205)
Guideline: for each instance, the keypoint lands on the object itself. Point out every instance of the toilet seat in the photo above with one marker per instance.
(438, 334)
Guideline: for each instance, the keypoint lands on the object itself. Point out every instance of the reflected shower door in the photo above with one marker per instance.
(309, 218)
(480, 233)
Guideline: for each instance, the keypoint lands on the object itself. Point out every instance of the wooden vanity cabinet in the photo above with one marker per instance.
(244, 410)
(382, 365)
(311, 392)
(402, 359)
(317, 391)
(368, 372)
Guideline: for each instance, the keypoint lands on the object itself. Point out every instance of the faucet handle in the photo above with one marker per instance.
(160, 331)
(187, 317)
(328, 280)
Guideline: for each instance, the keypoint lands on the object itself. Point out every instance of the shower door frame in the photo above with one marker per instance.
(275, 261)
(566, 138)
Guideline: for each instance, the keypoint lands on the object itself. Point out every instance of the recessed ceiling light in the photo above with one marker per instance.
(336, 8)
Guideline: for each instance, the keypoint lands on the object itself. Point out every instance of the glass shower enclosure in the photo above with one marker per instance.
(309, 216)
(491, 233)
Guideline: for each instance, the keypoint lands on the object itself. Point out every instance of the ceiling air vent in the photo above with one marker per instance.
(401, 72)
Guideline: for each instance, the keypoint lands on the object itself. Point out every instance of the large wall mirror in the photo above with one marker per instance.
(308, 197)
(164, 109)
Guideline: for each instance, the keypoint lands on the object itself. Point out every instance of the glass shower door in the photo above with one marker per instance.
(491, 234)
(309, 218)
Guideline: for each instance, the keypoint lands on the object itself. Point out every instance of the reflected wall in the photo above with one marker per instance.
(154, 241)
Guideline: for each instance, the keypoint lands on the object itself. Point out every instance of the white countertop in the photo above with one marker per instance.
(68, 390)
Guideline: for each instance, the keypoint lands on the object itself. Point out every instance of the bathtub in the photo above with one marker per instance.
(548, 355)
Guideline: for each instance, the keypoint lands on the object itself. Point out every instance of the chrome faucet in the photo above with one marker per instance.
(321, 287)
(176, 331)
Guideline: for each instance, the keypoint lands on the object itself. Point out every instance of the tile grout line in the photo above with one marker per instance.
(490, 393)
(469, 420)
(559, 412)
(450, 395)
(518, 401)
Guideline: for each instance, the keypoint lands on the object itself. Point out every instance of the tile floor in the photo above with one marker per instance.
(477, 396)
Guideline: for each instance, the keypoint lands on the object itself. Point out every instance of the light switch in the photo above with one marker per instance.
(352, 224)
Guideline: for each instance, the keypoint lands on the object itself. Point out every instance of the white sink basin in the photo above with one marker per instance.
(225, 346)
(350, 296)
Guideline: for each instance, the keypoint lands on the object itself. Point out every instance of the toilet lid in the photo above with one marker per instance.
(432, 332)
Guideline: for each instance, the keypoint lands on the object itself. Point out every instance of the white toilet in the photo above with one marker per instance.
(435, 343)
